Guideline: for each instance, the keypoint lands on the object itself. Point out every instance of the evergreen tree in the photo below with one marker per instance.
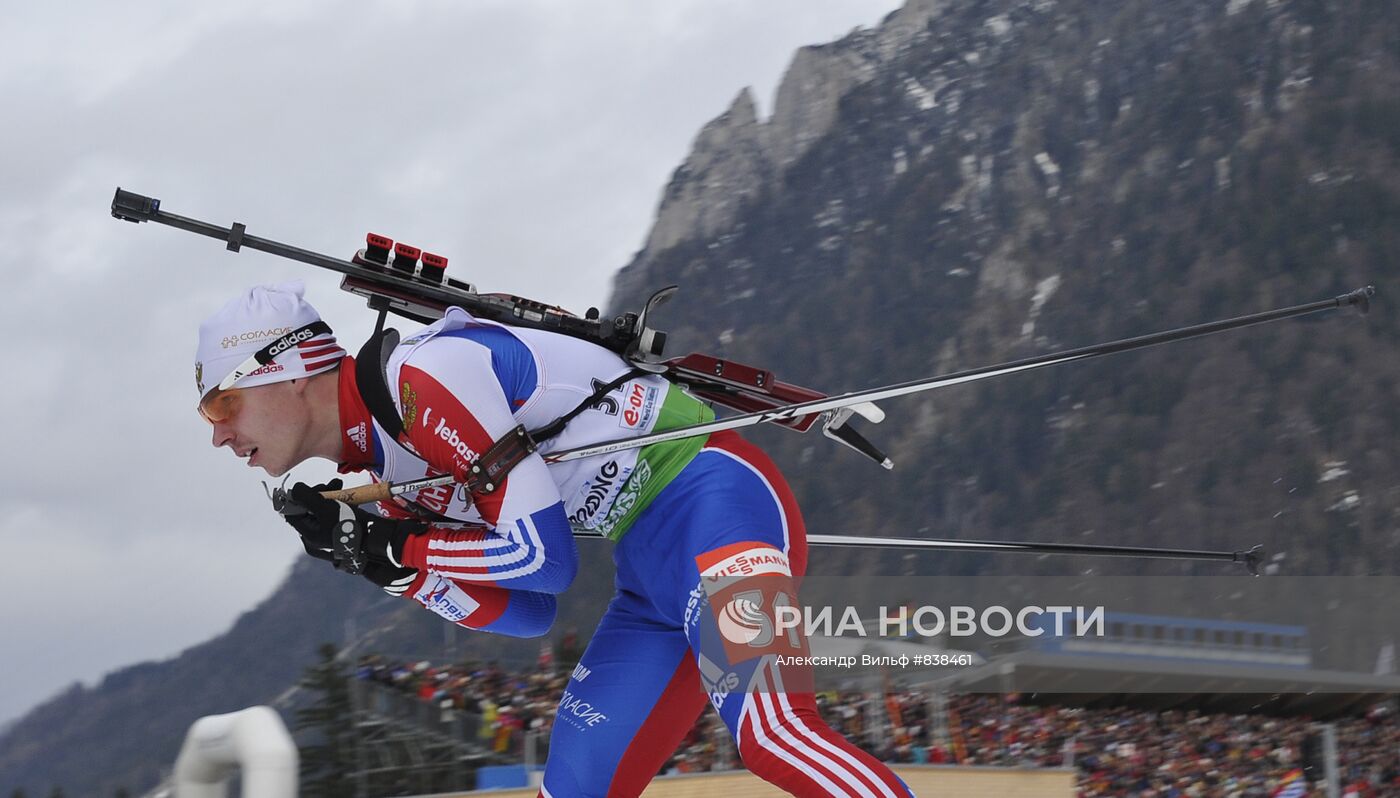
(327, 761)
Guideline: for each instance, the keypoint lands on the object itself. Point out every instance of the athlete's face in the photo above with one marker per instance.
(268, 424)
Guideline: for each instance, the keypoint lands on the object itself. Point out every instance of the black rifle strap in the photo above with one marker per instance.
(372, 377)
(557, 425)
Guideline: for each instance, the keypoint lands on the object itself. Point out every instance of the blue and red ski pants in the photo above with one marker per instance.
(658, 657)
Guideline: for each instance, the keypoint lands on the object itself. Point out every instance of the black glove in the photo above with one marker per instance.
(311, 515)
(352, 539)
(395, 581)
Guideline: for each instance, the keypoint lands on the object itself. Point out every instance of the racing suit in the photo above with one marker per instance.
(695, 521)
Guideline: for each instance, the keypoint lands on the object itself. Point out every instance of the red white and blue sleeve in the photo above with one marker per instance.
(480, 607)
(459, 409)
(516, 613)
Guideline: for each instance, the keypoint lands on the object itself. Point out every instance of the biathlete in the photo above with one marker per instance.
(708, 538)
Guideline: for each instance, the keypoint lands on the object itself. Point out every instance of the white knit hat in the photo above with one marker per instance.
(249, 324)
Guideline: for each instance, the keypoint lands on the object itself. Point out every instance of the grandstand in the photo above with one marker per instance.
(1157, 702)
(1165, 662)
(1003, 745)
(930, 726)
(1184, 639)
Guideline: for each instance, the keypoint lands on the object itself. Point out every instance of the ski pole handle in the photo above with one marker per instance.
(362, 494)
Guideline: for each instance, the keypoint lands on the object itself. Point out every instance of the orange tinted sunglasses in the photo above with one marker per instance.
(220, 405)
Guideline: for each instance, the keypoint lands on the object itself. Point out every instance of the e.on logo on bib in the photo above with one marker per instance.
(638, 406)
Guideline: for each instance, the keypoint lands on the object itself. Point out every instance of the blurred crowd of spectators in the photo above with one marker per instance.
(1150, 753)
(509, 704)
(1117, 751)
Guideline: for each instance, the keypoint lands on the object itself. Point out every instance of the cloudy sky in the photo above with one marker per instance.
(527, 140)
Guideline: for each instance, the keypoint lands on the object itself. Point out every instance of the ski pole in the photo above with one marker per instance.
(1360, 298)
(1250, 559)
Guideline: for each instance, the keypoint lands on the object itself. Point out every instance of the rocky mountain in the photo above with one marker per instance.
(981, 181)
(968, 183)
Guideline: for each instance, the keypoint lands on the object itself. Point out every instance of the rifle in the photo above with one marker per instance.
(402, 279)
(414, 284)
